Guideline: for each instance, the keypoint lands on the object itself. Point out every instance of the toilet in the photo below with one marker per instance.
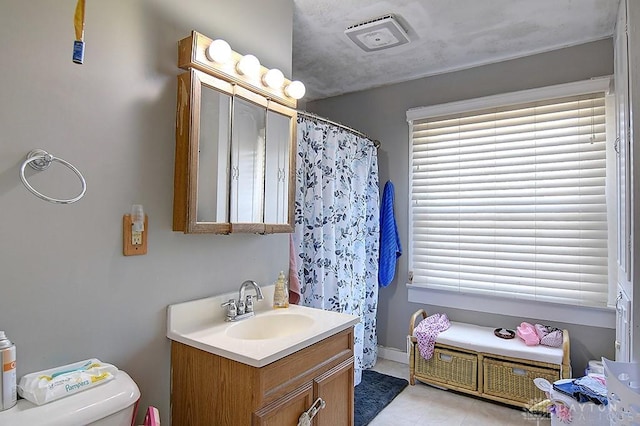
(111, 404)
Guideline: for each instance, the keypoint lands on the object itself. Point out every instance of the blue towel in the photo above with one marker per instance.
(390, 248)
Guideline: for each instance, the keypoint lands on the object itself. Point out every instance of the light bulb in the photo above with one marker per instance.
(248, 65)
(219, 51)
(295, 89)
(273, 78)
(137, 218)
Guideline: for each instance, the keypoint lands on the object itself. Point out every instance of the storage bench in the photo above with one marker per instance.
(471, 359)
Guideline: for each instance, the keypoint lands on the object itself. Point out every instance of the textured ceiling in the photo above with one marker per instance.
(445, 35)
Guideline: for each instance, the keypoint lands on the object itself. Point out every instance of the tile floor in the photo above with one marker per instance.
(423, 405)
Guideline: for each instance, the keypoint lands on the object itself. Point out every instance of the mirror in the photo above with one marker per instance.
(247, 162)
(277, 168)
(234, 159)
(213, 152)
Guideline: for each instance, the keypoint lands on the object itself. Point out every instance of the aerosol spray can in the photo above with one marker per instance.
(8, 396)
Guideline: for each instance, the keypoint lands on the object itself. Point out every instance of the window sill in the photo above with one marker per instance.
(596, 317)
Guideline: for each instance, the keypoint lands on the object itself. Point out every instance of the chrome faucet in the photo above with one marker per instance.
(248, 301)
(244, 307)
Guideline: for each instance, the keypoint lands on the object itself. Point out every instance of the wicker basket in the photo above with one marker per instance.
(448, 367)
(515, 381)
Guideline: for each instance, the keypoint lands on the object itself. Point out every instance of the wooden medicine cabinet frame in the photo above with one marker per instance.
(201, 79)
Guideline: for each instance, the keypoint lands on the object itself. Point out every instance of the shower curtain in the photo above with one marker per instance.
(337, 229)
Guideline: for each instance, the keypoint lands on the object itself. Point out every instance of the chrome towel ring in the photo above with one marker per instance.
(39, 159)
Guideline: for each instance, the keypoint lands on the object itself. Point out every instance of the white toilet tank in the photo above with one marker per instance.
(111, 404)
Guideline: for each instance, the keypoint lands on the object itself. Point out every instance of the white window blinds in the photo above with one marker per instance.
(510, 201)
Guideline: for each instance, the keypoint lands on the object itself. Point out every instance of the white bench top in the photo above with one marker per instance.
(482, 339)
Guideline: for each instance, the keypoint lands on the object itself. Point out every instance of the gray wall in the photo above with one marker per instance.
(380, 113)
(66, 291)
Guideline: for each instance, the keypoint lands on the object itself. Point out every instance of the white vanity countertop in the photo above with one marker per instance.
(200, 324)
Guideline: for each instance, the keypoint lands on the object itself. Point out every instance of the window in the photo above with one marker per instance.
(508, 196)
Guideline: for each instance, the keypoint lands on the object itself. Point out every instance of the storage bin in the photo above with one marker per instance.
(514, 381)
(453, 368)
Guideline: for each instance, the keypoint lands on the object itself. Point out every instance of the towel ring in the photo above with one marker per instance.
(39, 159)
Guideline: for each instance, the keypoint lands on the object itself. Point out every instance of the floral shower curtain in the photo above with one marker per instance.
(337, 228)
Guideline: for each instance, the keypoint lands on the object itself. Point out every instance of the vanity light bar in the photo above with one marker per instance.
(215, 57)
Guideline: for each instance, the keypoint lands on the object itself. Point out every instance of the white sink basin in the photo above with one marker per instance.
(259, 340)
(263, 327)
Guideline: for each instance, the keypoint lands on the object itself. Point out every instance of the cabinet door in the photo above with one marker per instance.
(201, 176)
(286, 410)
(277, 168)
(335, 387)
(247, 162)
(623, 148)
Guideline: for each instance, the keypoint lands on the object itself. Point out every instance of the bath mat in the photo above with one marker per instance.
(375, 391)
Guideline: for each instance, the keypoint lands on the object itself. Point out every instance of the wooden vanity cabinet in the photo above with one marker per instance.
(208, 389)
(332, 387)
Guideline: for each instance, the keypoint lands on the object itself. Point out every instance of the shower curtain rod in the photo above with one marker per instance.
(376, 142)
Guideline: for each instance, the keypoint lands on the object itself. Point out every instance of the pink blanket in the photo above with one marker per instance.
(427, 331)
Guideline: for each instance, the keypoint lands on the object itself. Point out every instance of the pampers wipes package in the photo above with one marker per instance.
(48, 385)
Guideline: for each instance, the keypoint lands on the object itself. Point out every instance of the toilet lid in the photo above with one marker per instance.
(79, 409)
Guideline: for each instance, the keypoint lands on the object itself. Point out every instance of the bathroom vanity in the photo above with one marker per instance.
(211, 389)
(265, 370)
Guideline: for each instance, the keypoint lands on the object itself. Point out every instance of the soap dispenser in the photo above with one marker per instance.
(281, 292)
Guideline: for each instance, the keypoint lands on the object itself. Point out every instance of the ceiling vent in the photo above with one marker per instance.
(377, 34)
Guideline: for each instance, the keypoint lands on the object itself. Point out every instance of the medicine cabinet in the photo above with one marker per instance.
(235, 151)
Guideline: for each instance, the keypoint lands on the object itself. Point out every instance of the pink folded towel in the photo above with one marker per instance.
(294, 282)
(528, 334)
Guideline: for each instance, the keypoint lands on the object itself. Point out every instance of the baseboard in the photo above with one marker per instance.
(393, 354)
